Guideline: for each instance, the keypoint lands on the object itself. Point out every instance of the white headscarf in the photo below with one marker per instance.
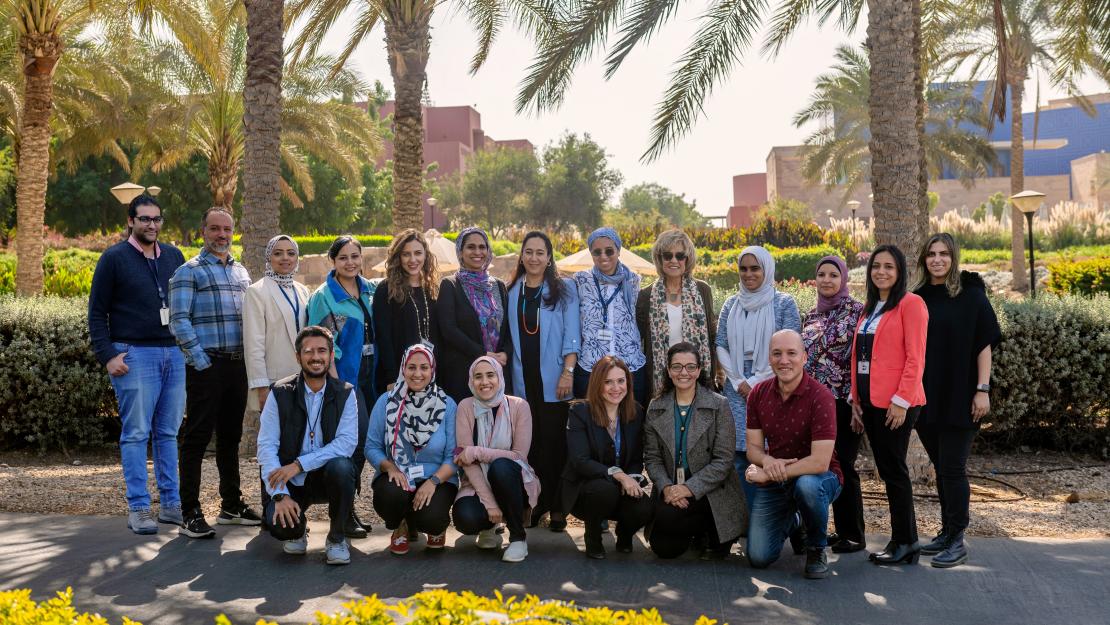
(749, 335)
(495, 430)
(420, 412)
(283, 279)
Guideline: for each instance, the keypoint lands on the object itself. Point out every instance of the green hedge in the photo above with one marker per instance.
(319, 244)
(1084, 277)
(53, 392)
(68, 272)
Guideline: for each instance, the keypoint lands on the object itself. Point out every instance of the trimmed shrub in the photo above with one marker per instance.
(68, 272)
(1051, 373)
(431, 607)
(1084, 277)
(785, 233)
(53, 392)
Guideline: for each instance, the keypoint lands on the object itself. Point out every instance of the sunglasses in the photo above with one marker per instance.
(144, 219)
(690, 368)
(608, 251)
(679, 256)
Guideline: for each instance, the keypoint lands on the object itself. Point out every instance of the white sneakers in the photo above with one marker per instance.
(489, 539)
(516, 552)
(297, 547)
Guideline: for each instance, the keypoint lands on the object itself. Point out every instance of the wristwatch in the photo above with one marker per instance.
(983, 388)
(615, 470)
(278, 497)
(435, 479)
(568, 370)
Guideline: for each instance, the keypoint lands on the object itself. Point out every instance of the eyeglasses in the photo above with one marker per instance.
(144, 219)
(690, 368)
(608, 251)
(679, 256)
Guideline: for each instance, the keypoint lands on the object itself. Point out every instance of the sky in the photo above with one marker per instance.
(747, 114)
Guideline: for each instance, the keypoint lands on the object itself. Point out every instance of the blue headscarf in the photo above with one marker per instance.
(623, 277)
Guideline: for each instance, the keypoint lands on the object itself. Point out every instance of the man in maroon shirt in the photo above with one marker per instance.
(798, 474)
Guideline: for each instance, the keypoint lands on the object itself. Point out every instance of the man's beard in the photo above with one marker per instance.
(315, 376)
(218, 248)
(146, 238)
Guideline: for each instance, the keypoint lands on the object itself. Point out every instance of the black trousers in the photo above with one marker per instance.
(673, 527)
(548, 454)
(394, 505)
(601, 498)
(889, 448)
(507, 483)
(215, 400)
(949, 448)
(848, 507)
(639, 384)
(358, 459)
(332, 484)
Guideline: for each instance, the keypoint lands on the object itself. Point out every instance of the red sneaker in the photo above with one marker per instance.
(438, 541)
(399, 542)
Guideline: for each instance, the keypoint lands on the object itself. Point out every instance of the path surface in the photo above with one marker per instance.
(170, 580)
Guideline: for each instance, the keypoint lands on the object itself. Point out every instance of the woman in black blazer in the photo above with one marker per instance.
(605, 458)
(471, 313)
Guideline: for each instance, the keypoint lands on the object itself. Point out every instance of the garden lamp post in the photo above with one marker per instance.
(828, 213)
(1028, 202)
(127, 191)
(853, 205)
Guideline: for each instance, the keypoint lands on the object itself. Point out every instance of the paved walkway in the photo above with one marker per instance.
(167, 579)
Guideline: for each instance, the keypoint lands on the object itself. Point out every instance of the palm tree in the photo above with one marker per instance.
(204, 63)
(408, 46)
(837, 153)
(262, 129)
(1034, 39)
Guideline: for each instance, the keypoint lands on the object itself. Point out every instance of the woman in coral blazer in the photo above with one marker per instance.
(888, 361)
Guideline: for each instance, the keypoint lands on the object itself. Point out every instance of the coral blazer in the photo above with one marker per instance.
(898, 355)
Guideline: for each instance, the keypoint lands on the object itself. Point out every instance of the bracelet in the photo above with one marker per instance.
(299, 465)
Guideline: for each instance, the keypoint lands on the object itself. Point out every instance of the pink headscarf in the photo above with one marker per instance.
(825, 304)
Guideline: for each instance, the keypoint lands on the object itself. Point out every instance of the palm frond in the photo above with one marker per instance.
(639, 25)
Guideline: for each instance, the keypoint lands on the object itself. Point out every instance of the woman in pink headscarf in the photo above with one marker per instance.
(494, 432)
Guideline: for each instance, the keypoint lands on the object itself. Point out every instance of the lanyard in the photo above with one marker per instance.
(617, 441)
(605, 302)
(314, 423)
(295, 304)
(152, 265)
(874, 315)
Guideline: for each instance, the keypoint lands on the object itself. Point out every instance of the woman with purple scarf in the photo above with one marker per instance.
(471, 315)
(828, 330)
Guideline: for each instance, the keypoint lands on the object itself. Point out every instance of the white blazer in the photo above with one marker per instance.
(269, 331)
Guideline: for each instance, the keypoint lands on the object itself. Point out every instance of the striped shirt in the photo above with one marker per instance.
(206, 307)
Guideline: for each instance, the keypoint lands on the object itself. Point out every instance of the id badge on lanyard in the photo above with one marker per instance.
(606, 331)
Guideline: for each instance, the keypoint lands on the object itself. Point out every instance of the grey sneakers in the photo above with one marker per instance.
(171, 515)
(489, 539)
(516, 552)
(141, 521)
(337, 553)
(296, 547)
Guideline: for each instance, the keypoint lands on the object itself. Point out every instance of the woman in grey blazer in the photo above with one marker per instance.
(689, 440)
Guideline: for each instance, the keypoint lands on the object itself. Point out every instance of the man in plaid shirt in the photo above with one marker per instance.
(206, 304)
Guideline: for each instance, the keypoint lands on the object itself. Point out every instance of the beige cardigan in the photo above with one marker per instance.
(472, 480)
(269, 331)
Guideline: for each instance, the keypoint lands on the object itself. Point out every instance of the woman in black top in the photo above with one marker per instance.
(963, 330)
(404, 304)
(605, 458)
(471, 313)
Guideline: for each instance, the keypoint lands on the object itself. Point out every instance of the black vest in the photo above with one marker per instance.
(293, 416)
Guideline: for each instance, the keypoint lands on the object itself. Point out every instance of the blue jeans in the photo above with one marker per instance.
(151, 397)
(774, 519)
(741, 463)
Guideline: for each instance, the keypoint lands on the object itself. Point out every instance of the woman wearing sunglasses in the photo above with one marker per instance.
(676, 308)
(607, 306)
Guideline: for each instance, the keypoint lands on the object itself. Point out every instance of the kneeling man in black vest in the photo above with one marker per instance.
(308, 431)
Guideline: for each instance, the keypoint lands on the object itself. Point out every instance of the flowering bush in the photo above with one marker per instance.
(432, 607)
(1084, 277)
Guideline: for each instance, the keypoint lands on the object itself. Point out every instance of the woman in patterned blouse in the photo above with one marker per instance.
(827, 331)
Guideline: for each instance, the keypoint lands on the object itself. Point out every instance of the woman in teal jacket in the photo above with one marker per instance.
(342, 304)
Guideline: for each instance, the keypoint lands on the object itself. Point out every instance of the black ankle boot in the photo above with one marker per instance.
(896, 553)
(594, 548)
(353, 528)
(798, 537)
(954, 555)
(938, 544)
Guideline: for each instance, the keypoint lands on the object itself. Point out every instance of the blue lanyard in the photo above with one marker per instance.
(874, 315)
(605, 302)
(617, 440)
(295, 304)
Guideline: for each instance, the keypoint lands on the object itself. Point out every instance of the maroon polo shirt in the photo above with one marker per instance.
(807, 415)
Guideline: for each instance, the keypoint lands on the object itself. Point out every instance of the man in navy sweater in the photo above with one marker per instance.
(129, 320)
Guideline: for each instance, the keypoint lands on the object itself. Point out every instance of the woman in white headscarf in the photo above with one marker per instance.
(744, 329)
(274, 310)
(494, 433)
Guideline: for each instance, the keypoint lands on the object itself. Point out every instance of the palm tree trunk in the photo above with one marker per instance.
(923, 212)
(262, 131)
(40, 56)
(1017, 183)
(407, 43)
(223, 178)
(893, 103)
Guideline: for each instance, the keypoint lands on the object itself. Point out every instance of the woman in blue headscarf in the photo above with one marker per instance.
(471, 315)
(607, 304)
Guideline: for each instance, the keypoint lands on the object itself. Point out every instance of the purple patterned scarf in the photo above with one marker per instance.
(481, 292)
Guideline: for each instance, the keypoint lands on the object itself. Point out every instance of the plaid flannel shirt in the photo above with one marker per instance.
(206, 307)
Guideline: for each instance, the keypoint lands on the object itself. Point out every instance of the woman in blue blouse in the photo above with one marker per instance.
(607, 305)
(744, 329)
(543, 320)
(411, 442)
